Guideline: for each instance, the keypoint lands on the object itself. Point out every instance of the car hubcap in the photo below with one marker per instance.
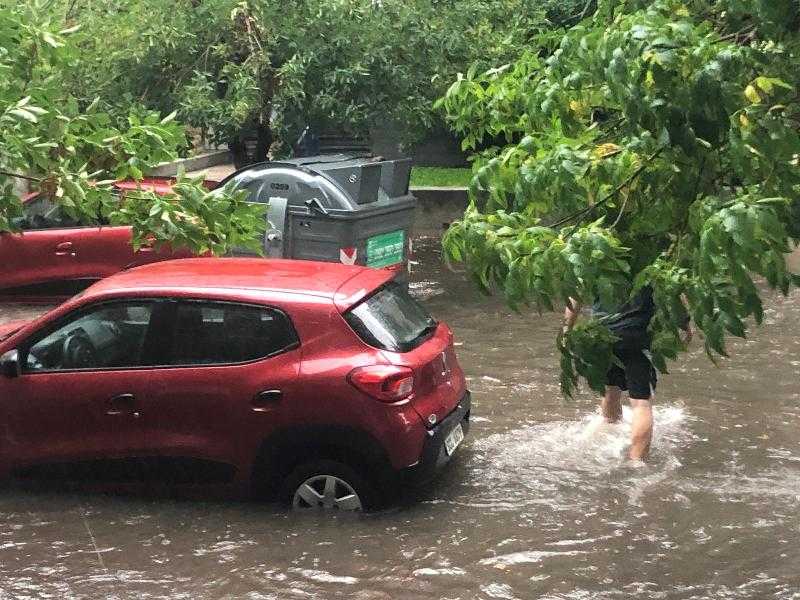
(326, 491)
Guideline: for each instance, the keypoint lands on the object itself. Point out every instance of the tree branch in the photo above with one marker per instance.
(577, 18)
(621, 212)
(747, 31)
(589, 209)
(25, 177)
(70, 10)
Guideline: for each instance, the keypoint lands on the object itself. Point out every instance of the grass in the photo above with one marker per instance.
(440, 177)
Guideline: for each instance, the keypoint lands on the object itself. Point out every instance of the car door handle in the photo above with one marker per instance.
(65, 249)
(266, 400)
(124, 404)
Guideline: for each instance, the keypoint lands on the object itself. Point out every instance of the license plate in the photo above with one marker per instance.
(453, 439)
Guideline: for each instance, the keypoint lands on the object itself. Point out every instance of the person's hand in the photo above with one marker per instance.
(688, 335)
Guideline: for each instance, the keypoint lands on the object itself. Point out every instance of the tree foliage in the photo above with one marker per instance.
(71, 150)
(273, 67)
(655, 142)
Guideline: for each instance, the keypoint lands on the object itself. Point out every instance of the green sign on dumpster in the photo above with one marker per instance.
(385, 249)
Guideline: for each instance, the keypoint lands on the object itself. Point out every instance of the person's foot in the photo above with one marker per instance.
(636, 463)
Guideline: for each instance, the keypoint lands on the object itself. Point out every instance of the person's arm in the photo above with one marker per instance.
(571, 313)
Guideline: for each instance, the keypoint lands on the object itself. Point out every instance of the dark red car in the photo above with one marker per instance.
(54, 256)
(323, 383)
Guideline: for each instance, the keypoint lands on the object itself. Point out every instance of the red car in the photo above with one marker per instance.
(325, 384)
(55, 256)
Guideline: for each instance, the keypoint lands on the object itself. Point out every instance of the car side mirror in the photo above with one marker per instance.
(9, 364)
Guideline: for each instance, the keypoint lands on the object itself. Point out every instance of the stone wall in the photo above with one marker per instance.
(437, 208)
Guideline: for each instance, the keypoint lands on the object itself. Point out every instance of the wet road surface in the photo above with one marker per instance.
(534, 507)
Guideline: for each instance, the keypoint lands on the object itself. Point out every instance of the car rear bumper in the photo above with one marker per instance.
(434, 454)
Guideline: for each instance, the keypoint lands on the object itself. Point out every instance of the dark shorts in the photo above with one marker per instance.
(637, 376)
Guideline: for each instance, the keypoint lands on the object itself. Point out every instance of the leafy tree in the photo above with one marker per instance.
(229, 66)
(655, 142)
(70, 150)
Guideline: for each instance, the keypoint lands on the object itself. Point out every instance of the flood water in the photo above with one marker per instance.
(533, 507)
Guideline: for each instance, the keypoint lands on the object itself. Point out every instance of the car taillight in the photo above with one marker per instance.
(387, 383)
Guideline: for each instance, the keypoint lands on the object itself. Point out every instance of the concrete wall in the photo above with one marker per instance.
(200, 162)
(437, 208)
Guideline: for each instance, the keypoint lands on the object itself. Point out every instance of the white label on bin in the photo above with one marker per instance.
(347, 256)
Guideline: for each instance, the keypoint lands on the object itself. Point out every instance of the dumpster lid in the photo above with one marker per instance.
(362, 175)
(324, 159)
(352, 180)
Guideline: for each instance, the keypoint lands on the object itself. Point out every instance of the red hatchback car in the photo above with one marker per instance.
(325, 384)
(55, 256)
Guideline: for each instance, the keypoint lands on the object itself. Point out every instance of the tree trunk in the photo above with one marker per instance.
(239, 152)
(265, 140)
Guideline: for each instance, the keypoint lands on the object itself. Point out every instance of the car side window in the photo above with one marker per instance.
(208, 333)
(108, 336)
(43, 213)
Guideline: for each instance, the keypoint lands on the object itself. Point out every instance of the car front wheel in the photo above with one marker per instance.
(327, 484)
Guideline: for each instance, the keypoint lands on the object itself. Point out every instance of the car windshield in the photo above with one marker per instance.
(391, 320)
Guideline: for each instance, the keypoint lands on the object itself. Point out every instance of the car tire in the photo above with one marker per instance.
(328, 484)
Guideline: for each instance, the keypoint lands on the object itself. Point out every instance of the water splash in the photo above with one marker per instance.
(532, 463)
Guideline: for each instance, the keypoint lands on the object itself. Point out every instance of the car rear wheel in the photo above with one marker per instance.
(329, 485)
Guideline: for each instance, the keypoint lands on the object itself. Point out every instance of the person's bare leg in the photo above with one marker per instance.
(641, 429)
(611, 405)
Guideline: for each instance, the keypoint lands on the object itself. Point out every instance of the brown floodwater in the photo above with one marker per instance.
(533, 507)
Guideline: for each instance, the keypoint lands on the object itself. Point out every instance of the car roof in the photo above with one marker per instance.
(344, 284)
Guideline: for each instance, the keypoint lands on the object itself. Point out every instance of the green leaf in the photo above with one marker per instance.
(752, 94)
(50, 40)
(24, 114)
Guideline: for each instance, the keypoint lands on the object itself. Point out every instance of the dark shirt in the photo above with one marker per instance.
(634, 314)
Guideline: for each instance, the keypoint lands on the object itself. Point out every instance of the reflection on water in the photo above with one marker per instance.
(540, 503)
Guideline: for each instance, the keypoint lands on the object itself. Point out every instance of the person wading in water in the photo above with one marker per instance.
(637, 376)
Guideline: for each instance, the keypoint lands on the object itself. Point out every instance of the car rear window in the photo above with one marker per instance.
(391, 320)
